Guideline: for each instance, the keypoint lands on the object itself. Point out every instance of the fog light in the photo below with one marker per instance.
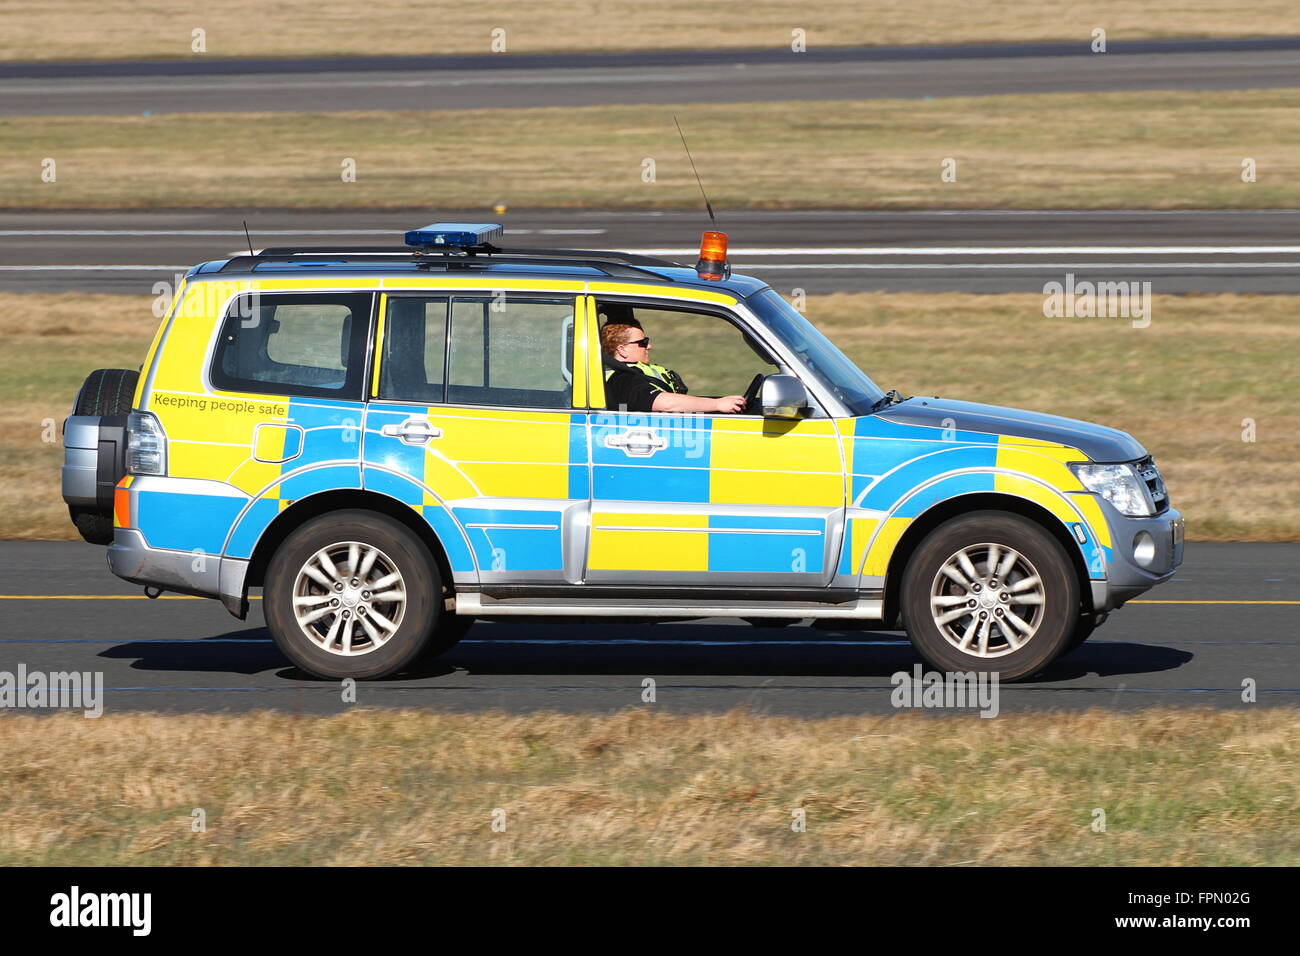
(1144, 549)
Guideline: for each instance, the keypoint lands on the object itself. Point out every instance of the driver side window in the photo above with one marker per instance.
(712, 356)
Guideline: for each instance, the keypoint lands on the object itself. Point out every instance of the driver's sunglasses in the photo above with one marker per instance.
(639, 342)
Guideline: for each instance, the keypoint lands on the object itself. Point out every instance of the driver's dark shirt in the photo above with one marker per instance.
(630, 389)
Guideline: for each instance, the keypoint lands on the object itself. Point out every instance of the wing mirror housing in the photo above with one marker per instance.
(783, 396)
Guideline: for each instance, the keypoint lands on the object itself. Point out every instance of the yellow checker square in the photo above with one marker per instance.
(1091, 511)
(507, 454)
(750, 464)
(1046, 462)
(252, 476)
(446, 479)
(882, 549)
(628, 542)
(1035, 492)
(213, 462)
(860, 531)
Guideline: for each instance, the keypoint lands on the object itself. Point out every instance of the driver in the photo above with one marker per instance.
(632, 384)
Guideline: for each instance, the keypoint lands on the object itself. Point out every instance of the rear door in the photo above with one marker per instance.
(472, 422)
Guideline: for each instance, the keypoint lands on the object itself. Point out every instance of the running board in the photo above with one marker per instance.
(472, 605)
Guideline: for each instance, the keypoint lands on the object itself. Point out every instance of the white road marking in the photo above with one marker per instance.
(1037, 266)
(810, 266)
(96, 268)
(270, 232)
(986, 251)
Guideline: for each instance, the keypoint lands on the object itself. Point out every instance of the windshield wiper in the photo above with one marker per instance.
(891, 397)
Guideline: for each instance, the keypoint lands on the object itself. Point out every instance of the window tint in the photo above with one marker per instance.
(415, 349)
(511, 351)
(294, 344)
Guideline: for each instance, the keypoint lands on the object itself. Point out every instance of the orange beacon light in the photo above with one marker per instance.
(713, 256)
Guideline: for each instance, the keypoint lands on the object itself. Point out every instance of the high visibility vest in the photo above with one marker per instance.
(663, 378)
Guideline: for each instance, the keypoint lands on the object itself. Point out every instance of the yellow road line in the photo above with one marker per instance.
(258, 597)
(109, 597)
(1213, 602)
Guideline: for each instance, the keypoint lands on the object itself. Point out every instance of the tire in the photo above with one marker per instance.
(95, 527)
(1048, 608)
(1083, 629)
(403, 626)
(449, 632)
(105, 392)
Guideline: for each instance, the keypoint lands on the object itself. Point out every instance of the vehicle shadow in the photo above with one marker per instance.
(600, 647)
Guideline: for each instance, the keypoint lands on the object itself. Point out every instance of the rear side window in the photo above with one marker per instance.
(506, 350)
(510, 351)
(292, 344)
(415, 349)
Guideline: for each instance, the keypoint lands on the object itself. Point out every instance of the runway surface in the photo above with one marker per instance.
(1232, 613)
(1256, 251)
(203, 84)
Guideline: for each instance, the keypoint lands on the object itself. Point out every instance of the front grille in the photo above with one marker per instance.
(1150, 474)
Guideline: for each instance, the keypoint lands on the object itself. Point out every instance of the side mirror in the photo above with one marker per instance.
(783, 396)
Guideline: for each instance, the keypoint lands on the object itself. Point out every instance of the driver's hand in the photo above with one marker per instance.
(729, 404)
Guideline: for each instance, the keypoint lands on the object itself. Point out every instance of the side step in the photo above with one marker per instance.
(475, 604)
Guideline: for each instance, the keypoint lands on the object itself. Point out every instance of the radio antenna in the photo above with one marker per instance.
(248, 237)
(707, 204)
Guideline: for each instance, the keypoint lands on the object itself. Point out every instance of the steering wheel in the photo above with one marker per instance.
(751, 394)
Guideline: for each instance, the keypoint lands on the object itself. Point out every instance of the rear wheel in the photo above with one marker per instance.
(352, 594)
(990, 591)
(105, 392)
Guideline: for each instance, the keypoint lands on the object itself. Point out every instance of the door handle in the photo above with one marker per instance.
(637, 442)
(413, 431)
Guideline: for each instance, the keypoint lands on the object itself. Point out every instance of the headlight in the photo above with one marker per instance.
(146, 445)
(1118, 484)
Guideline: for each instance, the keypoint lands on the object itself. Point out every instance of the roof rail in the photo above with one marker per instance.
(610, 263)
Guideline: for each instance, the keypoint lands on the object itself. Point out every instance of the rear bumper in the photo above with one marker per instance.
(1144, 552)
(185, 572)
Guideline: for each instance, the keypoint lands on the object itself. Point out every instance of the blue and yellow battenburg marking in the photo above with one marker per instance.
(896, 472)
(720, 494)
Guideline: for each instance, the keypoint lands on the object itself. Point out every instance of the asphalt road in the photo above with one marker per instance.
(185, 654)
(1255, 251)
(474, 82)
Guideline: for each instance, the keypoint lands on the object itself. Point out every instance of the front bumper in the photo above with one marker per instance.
(1144, 552)
(185, 572)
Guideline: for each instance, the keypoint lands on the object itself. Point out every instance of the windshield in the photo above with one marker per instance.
(819, 355)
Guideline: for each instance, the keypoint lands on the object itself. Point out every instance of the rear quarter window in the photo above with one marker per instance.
(294, 344)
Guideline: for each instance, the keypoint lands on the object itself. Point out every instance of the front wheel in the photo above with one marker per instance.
(352, 594)
(990, 591)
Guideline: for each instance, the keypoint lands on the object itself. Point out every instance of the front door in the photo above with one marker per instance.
(711, 499)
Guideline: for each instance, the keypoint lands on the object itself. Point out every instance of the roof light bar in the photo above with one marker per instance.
(455, 235)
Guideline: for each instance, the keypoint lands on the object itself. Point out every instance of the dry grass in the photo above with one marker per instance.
(1181, 788)
(68, 29)
(1114, 150)
(1182, 386)
(52, 342)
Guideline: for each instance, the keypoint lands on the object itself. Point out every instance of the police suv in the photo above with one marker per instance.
(392, 442)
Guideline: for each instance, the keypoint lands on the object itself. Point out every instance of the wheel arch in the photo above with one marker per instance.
(313, 506)
(949, 508)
